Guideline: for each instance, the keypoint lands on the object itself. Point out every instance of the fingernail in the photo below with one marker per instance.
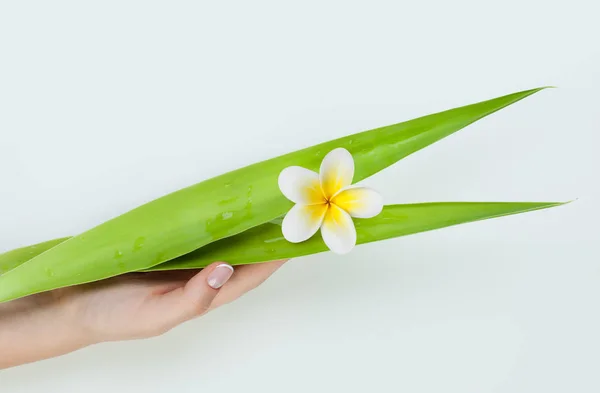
(219, 276)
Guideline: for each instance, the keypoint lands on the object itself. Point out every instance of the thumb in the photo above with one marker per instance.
(191, 300)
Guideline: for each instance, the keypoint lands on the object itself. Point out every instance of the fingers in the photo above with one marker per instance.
(168, 310)
(246, 278)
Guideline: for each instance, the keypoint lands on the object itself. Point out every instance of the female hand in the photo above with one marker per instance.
(131, 306)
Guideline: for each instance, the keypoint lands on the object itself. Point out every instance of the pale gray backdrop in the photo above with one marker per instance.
(106, 105)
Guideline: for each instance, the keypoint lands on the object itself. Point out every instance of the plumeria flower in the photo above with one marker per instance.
(325, 200)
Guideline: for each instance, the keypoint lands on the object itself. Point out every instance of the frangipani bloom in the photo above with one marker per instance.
(325, 200)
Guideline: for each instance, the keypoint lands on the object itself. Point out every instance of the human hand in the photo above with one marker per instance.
(131, 306)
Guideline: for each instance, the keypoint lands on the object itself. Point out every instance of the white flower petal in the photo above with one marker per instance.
(338, 230)
(359, 202)
(301, 185)
(337, 171)
(303, 221)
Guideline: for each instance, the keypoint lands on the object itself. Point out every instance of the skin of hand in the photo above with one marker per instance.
(127, 307)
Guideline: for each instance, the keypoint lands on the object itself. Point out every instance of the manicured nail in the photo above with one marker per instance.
(219, 276)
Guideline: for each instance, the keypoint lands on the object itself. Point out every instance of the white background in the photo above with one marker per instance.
(107, 105)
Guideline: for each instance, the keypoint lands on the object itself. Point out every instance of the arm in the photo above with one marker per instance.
(30, 331)
(132, 306)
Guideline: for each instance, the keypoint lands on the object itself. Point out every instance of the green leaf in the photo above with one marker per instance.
(266, 243)
(11, 259)
(186, 220)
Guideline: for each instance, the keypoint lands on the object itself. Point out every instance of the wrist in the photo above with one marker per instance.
(33, 329)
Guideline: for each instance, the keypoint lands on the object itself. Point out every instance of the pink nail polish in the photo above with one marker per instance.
(219, 276)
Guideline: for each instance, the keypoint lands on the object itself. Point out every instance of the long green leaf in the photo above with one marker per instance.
(265, 242)
(186, 220)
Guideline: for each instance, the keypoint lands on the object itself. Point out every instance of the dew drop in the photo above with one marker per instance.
(273, 240)
(139, 243)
